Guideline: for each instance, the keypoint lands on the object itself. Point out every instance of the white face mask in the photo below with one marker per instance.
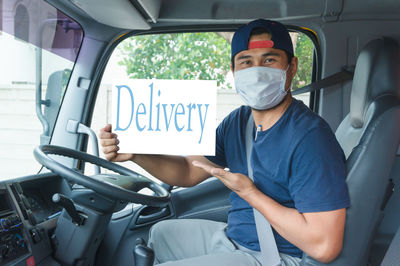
(261, 87)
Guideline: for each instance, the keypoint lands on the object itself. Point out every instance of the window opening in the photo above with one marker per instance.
(198, 55)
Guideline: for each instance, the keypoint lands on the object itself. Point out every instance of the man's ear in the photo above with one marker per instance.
(294, 66)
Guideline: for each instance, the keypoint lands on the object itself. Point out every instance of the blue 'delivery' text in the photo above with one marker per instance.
(153, 115)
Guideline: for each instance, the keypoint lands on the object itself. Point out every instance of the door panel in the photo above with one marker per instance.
(208, 200)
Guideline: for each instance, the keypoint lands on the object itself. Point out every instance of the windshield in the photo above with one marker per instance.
(38, 48)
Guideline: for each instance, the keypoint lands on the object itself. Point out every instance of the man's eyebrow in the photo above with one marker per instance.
(271, 54)
(244, 57)
(264, 55)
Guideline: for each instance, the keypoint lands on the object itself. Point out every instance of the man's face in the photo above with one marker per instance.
(267, 57)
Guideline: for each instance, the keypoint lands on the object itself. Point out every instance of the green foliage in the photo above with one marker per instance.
(304, 52)
(203, 56)
(195, 56)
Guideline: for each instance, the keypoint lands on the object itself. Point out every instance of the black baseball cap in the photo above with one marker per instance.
(280, 38)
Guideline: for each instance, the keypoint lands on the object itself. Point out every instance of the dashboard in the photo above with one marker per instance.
(12, 239)
(28, 219)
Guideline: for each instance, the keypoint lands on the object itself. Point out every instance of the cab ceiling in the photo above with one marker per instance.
(145, 14)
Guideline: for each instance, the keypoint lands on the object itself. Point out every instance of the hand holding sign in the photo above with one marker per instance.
(109, 141)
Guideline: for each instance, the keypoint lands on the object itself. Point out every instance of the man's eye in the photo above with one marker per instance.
(269, 60)
(247, 62)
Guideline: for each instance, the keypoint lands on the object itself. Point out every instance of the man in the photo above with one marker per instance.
(298, 167)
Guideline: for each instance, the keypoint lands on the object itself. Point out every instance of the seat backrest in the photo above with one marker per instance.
(369, 136)
(392, 256)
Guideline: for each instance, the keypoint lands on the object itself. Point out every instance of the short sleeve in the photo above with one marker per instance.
(318, 173)
(219, 157)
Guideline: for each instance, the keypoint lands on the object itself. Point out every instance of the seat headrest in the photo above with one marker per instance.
(377, 73)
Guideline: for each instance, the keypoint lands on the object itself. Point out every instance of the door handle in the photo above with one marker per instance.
(152, 214)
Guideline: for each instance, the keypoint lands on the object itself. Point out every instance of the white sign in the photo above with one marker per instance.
(165, 116)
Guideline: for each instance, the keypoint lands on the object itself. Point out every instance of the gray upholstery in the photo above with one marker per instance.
(390, 224)
(369, 135)
(376, 74)
(373, 76)
(392, 257)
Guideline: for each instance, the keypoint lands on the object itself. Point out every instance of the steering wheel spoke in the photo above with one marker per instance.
(125, 186)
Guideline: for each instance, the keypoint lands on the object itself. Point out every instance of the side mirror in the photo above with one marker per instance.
(51, 104)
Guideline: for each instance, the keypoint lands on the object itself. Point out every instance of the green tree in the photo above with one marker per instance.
(195, 56)
(203, 56)
(304, 52)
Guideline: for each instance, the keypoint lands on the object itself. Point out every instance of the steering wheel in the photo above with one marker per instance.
(109, 185)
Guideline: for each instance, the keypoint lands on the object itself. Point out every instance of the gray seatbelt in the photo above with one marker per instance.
(269, 250)
(337, 78)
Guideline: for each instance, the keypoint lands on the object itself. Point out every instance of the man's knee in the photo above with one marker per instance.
(160, 235)
(157, 231)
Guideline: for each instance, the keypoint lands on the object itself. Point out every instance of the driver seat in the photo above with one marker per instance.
(369, 136)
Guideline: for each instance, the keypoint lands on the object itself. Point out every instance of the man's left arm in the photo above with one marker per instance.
(319, 234)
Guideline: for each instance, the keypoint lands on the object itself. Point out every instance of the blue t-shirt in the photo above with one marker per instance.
(297, 162)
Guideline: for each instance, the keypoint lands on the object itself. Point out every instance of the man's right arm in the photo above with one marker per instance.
(173, 170)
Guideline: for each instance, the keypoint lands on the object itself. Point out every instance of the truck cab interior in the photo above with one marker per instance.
(61, 203)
